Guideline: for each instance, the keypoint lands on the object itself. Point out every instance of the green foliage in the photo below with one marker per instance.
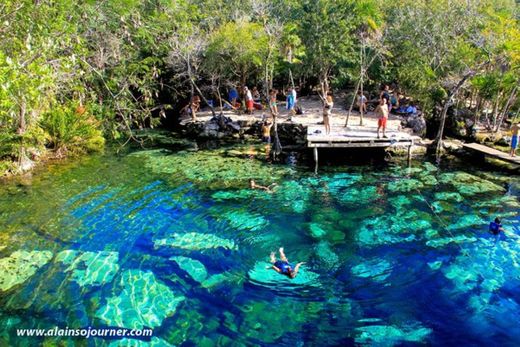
(70, 131)
(238, 49)
(128, 60)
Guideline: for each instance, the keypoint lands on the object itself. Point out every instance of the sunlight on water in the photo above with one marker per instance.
(178, 243)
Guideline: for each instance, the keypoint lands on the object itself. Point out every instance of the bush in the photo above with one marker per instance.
(69, 131)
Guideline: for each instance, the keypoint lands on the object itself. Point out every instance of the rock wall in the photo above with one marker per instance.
(222, 127)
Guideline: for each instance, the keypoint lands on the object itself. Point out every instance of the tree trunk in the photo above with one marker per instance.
(447, 104)
(512, 96)
(361, 74)
(352, 103)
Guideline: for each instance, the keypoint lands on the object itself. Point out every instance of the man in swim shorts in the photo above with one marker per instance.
(283, 266)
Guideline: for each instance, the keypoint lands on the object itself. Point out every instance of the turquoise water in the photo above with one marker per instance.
(176, 242)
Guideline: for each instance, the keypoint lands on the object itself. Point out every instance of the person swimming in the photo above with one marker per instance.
(283, 266)
(495, 227)
(253, 185)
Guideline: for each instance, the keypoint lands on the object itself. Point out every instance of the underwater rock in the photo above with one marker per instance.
(466, 222)
(449, 196)
(211, 168)
(355, 196)
(383, 230)
(142, 302)
(294, 195)
(215, 280)
(245, 220)
(154, 342)
(236, 194)
(195, 242)
(390, 335)
(261, 275)
(378, 270)
(20, 266)
(90, 268)
(329, 259)
(399, 201)
(316, 230)
(193, 267)
(405, 185)
(468, 184)
(428, 180)
(447, 240)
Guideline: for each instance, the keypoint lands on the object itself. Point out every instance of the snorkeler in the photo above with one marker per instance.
(496, 227)
(253, 185)
(283, 266)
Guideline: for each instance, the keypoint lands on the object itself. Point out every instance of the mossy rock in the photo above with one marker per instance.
(90, 268)
(405, 185)
(142, 301)
(192, 267)
(195, 241)
(389, 335)
(20, 266)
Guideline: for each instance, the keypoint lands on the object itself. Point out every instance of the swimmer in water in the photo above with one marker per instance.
(283, 266)
(253, 185)
(496, 227)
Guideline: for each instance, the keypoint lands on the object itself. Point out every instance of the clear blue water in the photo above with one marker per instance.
(176, 242)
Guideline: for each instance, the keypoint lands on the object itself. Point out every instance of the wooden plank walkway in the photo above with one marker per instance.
(491, 152)
(355, 137)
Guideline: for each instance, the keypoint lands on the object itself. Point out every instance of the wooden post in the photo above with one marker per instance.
(410, 154)
(315, 159)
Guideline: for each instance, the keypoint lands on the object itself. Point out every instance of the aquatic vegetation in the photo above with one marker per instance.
(154, 342)
(211, 168)
(405, 185)
(467, 184)
(243, 220)
(368, 251)
(377, 269)
(356, 196)
(20, 266)
(467, 221)
(293, 194)
(390, 335)
(193, 267)
(449, 196)
(261, 275)
(90, 268)
(223, 195)
(195, 241)
(142, 302)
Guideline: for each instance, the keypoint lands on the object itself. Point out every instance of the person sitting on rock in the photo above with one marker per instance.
(253, 185)
(283, 266)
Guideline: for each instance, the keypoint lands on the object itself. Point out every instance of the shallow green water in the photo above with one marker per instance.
(176, 242)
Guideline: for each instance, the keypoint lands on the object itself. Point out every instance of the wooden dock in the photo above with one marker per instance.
(491, 152)
(356, 137)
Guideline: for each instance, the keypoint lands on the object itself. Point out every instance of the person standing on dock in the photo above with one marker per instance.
(291, 103)
(272, 102)
(249, 100)
(328, 103)
(514, 139)
(362, 102)
(382, 112)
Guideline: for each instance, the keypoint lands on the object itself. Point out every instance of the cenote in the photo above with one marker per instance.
(175, 241)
